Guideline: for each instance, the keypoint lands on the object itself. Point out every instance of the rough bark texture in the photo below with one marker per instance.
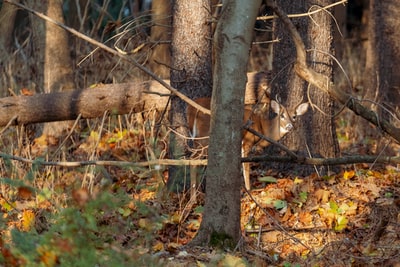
(288, 86)
(221, 219)
(315, 132)
(58, 74)
(383, 54)
(190, 73)
(90, 103)
(321, 133)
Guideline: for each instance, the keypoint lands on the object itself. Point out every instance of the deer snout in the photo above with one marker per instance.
(286, 128)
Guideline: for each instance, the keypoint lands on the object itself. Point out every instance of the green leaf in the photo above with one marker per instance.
(267, 179)
(303, 196)
(341, 223)
(280, 204)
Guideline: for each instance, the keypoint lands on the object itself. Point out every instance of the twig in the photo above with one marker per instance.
(68, 164)
(8, 124)
(284, 148)
(305, 14)
(326, 161)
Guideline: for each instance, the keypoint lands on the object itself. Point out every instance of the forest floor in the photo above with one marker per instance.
(106, 215)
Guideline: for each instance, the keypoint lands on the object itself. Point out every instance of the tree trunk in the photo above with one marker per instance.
(58, 75)
(221, 218)
(7, 18)
(321, 136)
(383, 54)
(314, 132)
(288, 88)
(38, 42)
(160, 58)
(190, 74)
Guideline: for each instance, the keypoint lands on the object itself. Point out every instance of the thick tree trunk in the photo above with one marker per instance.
(288, 87)
(190, 74)
(221, 218)
(321, 136)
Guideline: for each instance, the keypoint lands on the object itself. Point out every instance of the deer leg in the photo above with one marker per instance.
(246, 168)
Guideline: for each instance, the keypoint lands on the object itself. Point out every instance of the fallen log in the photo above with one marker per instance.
(92, 102)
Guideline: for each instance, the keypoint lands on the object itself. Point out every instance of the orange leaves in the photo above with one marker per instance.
(348, 174)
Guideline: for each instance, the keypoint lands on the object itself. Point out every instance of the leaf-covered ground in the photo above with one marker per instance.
(116, 216)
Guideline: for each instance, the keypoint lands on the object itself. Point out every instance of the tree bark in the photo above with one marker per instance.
(321, 136)
(160, 37)
(315, 132)
(288, 87)
(221, 217)
(117, 99)
(58, 74)
(190, 74)
(38, 40)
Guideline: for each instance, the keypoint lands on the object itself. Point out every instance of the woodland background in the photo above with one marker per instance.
(91, 191)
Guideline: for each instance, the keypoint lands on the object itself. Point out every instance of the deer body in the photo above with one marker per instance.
(274, 128)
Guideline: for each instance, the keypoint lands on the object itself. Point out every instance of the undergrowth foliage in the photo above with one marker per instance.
(87, 216)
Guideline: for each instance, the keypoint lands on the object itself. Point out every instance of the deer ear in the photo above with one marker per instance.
(275, 106)
(300, 110)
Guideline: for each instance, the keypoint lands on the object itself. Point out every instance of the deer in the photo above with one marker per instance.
(274, 128)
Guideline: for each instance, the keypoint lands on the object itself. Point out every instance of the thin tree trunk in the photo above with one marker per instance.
(160, 59)
(221, 218)
(58, 75)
